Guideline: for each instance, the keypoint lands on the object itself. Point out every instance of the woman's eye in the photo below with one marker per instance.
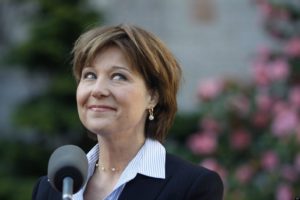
(118, 76)
(89, 75)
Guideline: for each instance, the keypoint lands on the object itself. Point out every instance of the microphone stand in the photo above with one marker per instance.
(67, 191)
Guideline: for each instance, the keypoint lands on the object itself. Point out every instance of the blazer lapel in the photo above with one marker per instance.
(143, 187)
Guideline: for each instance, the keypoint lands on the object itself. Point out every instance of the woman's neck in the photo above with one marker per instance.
(115, 154)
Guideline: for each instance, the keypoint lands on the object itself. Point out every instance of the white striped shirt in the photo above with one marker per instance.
(149, 161)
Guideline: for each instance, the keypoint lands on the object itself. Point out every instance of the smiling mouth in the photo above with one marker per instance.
(100, 108)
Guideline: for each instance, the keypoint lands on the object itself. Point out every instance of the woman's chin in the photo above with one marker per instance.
(100, 131)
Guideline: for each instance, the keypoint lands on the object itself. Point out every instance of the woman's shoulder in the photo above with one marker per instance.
(198, 182)
(177, 166)
(179, 163)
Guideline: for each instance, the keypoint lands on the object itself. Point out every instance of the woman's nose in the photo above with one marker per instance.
(100, 89)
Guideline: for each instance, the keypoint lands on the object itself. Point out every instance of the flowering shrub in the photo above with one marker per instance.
(249, 132)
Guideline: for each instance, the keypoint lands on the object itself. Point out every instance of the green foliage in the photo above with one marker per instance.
(16, 188)
(20, 164)
(47, 52)
(54, 29)
(183, 123)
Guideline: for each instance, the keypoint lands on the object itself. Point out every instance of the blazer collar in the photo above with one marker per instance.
(143, 187)
(148, 188)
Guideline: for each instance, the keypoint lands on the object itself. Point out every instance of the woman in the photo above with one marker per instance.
(126, 98)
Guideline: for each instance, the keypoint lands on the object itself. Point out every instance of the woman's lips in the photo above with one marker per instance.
(101, 108)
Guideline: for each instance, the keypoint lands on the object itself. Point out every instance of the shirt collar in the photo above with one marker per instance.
(153, 161)
(149, 161)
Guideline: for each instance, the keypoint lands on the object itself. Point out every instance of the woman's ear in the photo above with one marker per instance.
(154, 98)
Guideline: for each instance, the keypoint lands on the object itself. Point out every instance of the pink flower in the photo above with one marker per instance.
(261, 119)
(292, 48)
(289, 173)
(263, 102)
(203, 143)
(294, 96)
(261, 74)
(240, 139)
(240, 104)
(297, 133)
(244, 173)
(209, 89)
(280, 106)
(285, 122)
(263, 53)
(210, 124)
(284, 192)
(265, 72)
(279, 70)
(269, 160)
(297, 162)
(283, 14)
(212, 164)
(266, 8)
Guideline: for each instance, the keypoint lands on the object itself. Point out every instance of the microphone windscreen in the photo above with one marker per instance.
(68, 161)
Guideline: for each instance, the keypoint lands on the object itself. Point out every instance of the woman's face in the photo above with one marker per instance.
(112, 98)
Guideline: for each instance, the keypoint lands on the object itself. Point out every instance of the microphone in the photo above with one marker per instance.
(67, 170)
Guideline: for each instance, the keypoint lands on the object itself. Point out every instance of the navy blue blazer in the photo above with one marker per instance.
(184, 181)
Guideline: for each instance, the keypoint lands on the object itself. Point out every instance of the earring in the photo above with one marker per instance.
(151, 116)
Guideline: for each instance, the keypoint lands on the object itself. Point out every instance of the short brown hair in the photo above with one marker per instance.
(149, 56)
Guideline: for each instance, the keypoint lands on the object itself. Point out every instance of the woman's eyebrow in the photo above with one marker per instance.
(121, 67)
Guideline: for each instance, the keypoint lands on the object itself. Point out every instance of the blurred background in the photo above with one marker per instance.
(239, 105)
